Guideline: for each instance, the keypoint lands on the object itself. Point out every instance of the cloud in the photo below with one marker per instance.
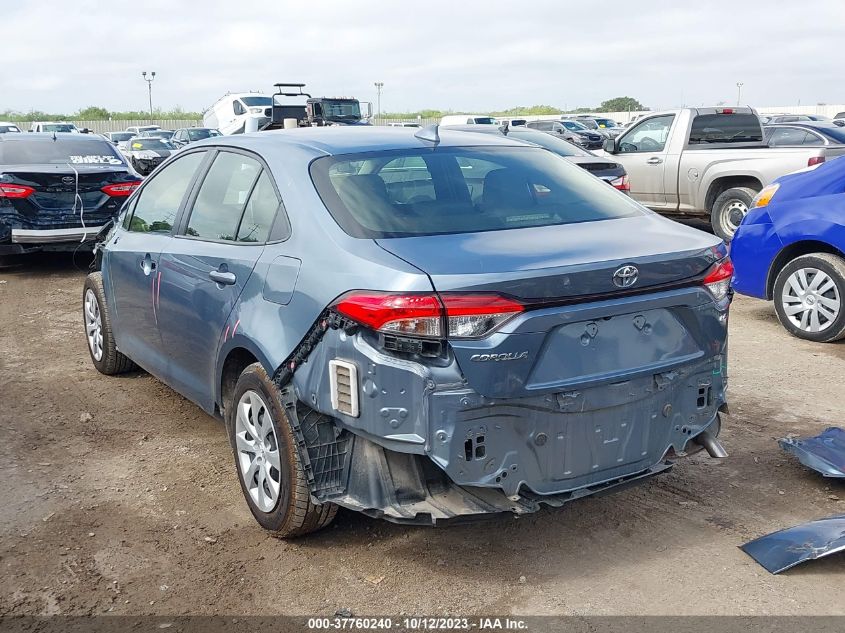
(62, 56)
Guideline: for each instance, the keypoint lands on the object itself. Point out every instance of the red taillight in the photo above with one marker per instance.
(8, 190)
(815, 160)
(718, 279)
(622, 183)
(423, 315)
(724, 110)
(121, 189)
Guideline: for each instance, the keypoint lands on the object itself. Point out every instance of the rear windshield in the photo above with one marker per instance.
(725, 128)
(199, 134)
(58, 127)
(405, 193)
(121, 136)
(484, 120)
(45, 151)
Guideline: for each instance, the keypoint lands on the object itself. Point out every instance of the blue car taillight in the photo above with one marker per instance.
(425, 315)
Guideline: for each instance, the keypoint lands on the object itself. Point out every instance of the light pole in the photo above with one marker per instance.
(379, 85)
(739, 86)
(150, 89)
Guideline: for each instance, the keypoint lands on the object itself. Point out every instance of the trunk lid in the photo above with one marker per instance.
(580, 328)
(564, 262)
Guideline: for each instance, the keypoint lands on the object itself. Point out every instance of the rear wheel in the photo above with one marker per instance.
(728, 210)
(98, 329)
(809, 294)
(267, 460)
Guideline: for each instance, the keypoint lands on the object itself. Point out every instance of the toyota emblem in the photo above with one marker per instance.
(68, 180)
(626, 276)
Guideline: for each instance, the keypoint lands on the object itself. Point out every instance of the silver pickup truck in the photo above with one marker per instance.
(706, 161)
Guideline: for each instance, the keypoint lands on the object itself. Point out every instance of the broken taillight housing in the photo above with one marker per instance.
(718, 279)
(424, 315)
(622, 183)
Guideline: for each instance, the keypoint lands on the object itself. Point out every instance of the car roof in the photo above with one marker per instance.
(338, 139)
(43, 137)
(817, 125)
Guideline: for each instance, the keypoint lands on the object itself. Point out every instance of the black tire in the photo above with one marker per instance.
(111, 361)
(834, 267)
(727, 212)
(294, 513)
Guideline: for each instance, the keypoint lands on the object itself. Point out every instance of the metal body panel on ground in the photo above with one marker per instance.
(782, 550)
(824, 453)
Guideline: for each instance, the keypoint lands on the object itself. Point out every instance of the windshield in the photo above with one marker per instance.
(574, 126)
(606, 123)
(835, 132)
(121, 136)
(199, 134)
(725, 128)
(149, 143)
(589, 124)
(45, 151)
(550, 142)
(165, 134)
(9, 128)
(58, 127)
(412, 192)
(341, 109)
(484, 120)
(257, 101)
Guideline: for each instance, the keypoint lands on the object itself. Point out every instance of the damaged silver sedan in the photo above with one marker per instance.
(413, 324)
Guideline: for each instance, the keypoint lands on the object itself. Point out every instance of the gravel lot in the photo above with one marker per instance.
(120, 496)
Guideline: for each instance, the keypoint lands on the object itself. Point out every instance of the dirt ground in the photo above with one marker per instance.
(117, 495)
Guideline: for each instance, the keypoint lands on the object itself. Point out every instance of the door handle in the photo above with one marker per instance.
(223, 278)
(147, 264)
(654, 160)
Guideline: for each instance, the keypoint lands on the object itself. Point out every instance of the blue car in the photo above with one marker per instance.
(415, 324)
(789, 249)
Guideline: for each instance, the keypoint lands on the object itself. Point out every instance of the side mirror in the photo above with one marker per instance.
(609, 145)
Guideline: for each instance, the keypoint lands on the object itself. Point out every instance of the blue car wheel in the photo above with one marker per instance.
(808, 295)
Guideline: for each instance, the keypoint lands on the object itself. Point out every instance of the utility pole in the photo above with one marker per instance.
(150, 89)
(739, 86)
(379, 85)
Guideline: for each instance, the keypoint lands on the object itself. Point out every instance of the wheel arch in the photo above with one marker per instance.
(722, 183)
(790, 252)
(240, 354)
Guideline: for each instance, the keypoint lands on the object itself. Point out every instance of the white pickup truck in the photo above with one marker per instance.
(706, 162)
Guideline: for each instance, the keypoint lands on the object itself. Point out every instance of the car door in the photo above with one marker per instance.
(643, 152)
(133, 257)
(205, 267)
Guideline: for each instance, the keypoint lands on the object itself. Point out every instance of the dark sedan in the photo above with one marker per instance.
(145, 154)
(804, 133)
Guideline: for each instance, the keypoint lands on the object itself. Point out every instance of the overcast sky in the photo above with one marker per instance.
(473, 56)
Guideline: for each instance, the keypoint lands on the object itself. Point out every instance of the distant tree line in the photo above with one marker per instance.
(617, 104)
(96, 113)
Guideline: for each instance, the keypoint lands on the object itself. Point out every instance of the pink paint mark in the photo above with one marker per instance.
(235, 329)
(153, 291)
(158, 289)
(226, 334)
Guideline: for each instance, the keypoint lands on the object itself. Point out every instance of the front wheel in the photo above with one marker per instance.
(98, 329)
(808, 295)
(267, 460)
(729, 208)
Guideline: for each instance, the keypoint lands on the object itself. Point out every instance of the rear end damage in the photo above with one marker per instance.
(420, 429)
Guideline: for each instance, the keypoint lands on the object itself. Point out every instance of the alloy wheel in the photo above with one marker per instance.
(811, 300)
(258, 451)
(93, 325)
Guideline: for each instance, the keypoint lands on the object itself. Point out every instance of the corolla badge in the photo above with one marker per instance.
(483, 358)
(626, 276)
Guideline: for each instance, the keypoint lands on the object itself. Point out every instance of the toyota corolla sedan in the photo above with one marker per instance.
(415, 324)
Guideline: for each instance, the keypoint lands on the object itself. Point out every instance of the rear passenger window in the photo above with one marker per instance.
(161, 197)
(222, 197)
(259, 212)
